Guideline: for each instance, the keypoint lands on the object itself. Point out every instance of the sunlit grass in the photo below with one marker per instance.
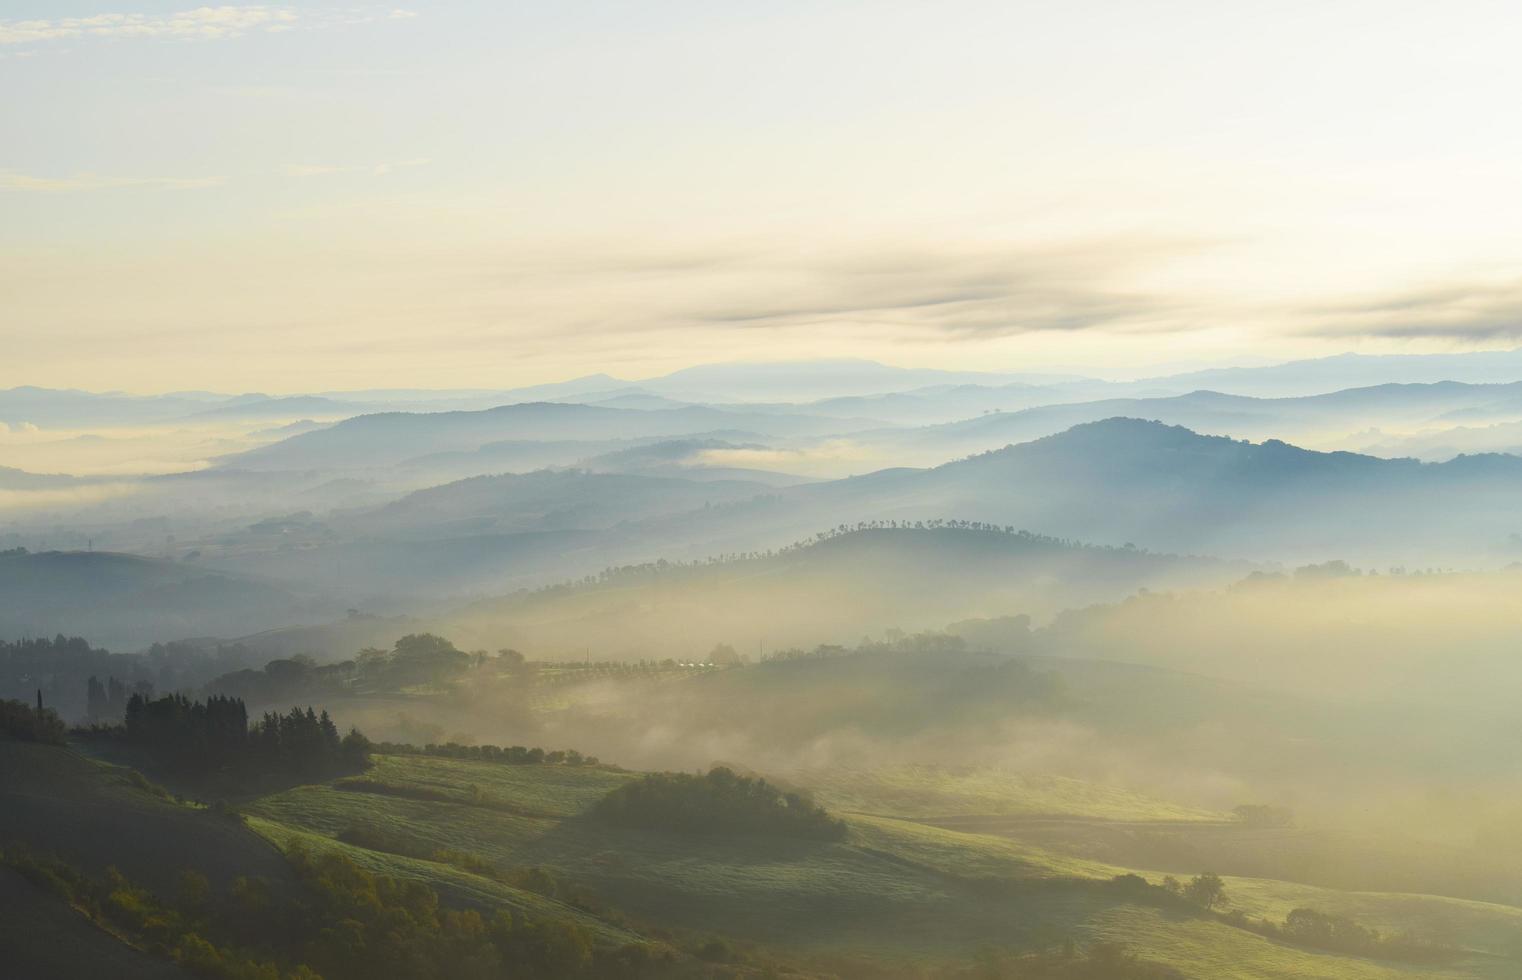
(893, 888)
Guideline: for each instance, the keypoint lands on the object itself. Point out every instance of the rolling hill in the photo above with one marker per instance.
(543, 500)
(1169, 489)
(374, 441)
(128, 602)
(1329, 419)
(828, 591)
(897, 892)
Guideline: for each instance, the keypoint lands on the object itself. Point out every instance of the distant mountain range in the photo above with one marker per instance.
(373, 441)
(839, 388)
(1119, 482)
(1116, 481)
(1169, 488)
(1333, 418)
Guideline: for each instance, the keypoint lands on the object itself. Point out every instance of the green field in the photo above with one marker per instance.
(897, 888)
(935, 791)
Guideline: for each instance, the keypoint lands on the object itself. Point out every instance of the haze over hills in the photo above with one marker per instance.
(544, 500)
(371, 441)
(832, 591)
(1081, 628)
(1114, 482)
(129, 602)
(1169, 489)
(1325, 374)
(1324, 419)
(823, 387)
(790, 491)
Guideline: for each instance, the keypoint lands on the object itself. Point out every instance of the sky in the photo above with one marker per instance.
(310, 196)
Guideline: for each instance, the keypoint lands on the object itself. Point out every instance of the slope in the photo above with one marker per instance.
(830, 590)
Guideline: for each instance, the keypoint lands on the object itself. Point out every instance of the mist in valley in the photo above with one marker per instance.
(807, 492)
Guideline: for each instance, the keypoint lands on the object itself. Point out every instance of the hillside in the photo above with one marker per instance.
(902, 887)
(371, 441)
(44, 939)
(544, 500)
(828, 591)
(1115, 482)
(1319, 419)
(55, 800)
(127, 602)
(1167, 488)
(896, 889)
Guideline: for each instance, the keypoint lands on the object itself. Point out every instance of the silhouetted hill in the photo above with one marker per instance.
(126, 601)
(1333, 416)
(384, 439)
(15, 479)
(1339, 371)
(1169, 488)
(296, 406)
(544, 500)
(833, 589)
(691, 459)
(817, 379)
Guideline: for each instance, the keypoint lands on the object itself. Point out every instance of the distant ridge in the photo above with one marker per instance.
(1351, 370)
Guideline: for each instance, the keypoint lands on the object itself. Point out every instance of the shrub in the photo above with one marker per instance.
(721, 802)
(20, 720)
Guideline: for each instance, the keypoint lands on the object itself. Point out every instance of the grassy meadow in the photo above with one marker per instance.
(896, 888)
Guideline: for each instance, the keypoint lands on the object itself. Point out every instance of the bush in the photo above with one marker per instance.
(20, 720)
(721, 802)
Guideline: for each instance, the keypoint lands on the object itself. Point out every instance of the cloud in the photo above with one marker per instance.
(23, 500)
(198, 24)
(1463, 312)
(12, 181)
(313, 170)
(374, 169)
(961, 294)
(203, 23)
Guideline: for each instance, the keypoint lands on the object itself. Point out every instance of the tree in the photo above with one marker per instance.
(423, 658)
(20, 720)
(1206, 890)
(96, 699)
(724, 654)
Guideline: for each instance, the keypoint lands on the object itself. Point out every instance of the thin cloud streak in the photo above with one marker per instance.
(198, 24)
(1460, 312)
(374, 169)
(202, 23)
(975, 295)
(12, 181)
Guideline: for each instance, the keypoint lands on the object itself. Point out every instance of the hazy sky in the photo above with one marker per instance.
(305, 196)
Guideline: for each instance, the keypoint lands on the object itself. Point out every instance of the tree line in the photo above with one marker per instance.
(415, 660)
(623, 574)
(215, 735)
(511, 755)
(1305, 927)
(68, 669)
